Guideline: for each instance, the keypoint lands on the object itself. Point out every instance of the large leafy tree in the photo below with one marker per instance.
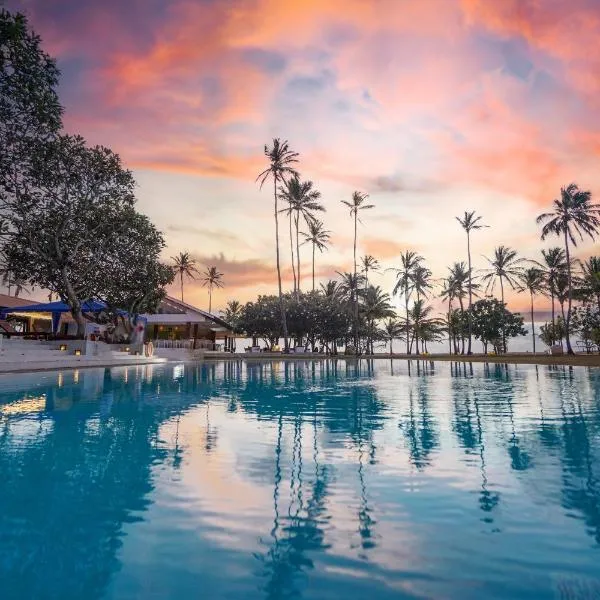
(573, 216)
(64, 217)
(281, 167)
(505, 268)
(30, 112)
(493, 324)
(470, 221)
(130, 275)
(185, 267)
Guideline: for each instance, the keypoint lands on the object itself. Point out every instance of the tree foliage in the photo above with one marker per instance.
(490, 319)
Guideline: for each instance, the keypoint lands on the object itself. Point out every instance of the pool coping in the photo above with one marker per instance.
(75, 363)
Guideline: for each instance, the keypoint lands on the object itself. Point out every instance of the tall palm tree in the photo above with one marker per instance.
(303, 202)
(533, 280)
(185, 266)
(375, 306)
(356, 204)
(368, 263)
(409, 261)
(455, 288)
(449, 292)
(554, 263)
(392, 329)
(505, 266)
(424, 326)
(470, 222)
(590, 270)
(573, 214)
(281, 160)
(318, 236)
(212, 278)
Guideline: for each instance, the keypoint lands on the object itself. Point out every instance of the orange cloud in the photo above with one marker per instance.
(381, 248)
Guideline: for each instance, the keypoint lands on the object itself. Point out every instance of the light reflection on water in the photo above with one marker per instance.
(304, 479)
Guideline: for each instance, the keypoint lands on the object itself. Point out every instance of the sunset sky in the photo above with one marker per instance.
(433, 107)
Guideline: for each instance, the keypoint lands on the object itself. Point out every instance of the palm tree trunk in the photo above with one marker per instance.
(298, 250)
(313, 268)
(281, 306)
(449, 326)
(552, 300)
(181, 278)
(355, 286)
(570, 300)
(462, 314)
(532, 323)
(470, 321)
(292, 250)
(407, 319)
(210, 298)
(503, 326)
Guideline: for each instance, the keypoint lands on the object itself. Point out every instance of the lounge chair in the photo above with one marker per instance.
(7, 329)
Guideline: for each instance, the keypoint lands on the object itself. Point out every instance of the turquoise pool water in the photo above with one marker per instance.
(301, 480)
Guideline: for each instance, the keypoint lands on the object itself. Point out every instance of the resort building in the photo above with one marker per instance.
(26, 322)
(181, 325)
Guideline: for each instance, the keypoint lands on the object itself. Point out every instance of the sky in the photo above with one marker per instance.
(432, 107)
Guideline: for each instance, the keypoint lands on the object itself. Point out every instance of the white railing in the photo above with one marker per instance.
(187, 344)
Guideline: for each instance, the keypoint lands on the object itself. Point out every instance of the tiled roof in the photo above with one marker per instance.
(12, 302)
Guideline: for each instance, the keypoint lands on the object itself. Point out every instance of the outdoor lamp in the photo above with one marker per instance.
(62, 347)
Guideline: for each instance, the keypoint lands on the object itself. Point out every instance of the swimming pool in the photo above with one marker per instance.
(311, 480)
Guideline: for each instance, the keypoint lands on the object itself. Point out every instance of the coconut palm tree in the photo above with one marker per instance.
(554, 263)
(470, 222)
(357, 204)
(185, 266)
(212, 278)
(590, 270)
(318, 236)
(331, 289)
(392, 329)
(281, 160)
(455, 288)
(533, 280)
(424, 326)
(573, 214)
(302, 202)
(506, 266)
(409, 261)
(375, 306)
(368, 263)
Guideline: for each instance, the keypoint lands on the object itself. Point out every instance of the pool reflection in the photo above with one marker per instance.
(310, 479)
